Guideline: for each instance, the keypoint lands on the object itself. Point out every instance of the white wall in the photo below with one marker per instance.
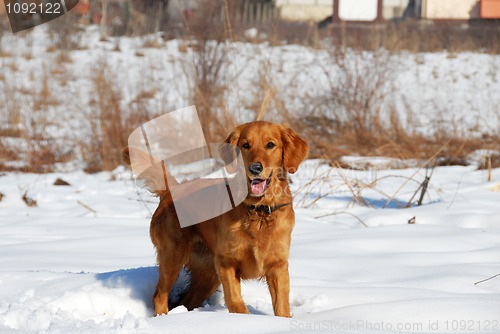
(450, 9)
(359, 10)
(305, 10)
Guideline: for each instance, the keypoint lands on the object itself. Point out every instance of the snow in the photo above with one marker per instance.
(442, 91)
(81, 261)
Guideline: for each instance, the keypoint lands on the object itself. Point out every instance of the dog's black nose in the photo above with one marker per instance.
(255, 168)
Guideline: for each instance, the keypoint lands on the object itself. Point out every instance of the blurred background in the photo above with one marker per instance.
(416, 80)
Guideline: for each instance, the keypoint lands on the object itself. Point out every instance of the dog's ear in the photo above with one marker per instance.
(295, 149)
(227, 151)
(234, 136)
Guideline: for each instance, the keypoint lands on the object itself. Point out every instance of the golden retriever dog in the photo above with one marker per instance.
(251, 241)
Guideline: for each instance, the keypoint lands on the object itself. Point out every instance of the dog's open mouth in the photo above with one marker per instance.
(259, 186)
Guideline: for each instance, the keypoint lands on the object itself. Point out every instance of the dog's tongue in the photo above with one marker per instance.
(258, 187)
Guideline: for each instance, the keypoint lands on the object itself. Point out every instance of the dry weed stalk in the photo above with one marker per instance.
(314, 190)
(342, 212)
(486, 279)
(423, 165)
(313, 187)
(208, 69)
(87, 207)
(355, 188)
(266, 98)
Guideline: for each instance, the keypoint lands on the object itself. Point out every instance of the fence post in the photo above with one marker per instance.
(258, 14)
(104, 17)
(244, 12)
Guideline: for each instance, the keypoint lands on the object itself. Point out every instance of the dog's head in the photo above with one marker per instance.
(269, 151)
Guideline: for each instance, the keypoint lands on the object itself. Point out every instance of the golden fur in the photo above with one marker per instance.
(241, 243)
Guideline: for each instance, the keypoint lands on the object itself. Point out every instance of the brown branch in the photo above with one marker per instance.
(487, 279)
(347, 213)
(87, 207)
(424, 189)
(426, 163)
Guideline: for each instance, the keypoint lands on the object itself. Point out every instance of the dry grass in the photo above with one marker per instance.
(491, 160)
(145, 94)
(207, 70)
(337, 181)
(29, 201)
(45, 97)
(346, 120)
(44, 154)
(7, 154)
(110, 122)
(391, 141)
(11, 117)
(152, 42)
(66, 34)
(420, 37)
(102, 150)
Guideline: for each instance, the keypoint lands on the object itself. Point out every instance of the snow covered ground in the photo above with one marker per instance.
(81, 261)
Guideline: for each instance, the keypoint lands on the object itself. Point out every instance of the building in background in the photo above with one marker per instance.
(450, 9)
(304, 10)
(433, 10)
(489, 9)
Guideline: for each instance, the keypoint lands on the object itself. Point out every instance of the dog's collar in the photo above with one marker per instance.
(267, 209)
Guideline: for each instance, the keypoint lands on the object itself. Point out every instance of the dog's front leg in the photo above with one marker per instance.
(278, 281)
(232, 289)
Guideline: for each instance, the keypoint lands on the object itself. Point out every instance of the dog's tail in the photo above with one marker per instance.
(149, 170)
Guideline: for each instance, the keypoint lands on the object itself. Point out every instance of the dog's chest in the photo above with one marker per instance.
(256, 246)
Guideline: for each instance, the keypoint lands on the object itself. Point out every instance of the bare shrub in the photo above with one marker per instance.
(354, 114)
(30, 202)
(103, 150)
(10, 112)
(7, 154)
(347, 114)
(66, 35)
(265, 92)
(43, 149)
(25, 120)
(45, 96)
(490, 161)
(109, 121)
(44, 154)
(357, 89)
(208, 70)
(211, 82)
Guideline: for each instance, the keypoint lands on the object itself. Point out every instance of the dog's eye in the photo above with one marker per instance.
(270, 145)
(246, 146)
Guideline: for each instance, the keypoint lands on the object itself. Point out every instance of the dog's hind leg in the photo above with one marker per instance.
(170, 262)
(204, 280)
